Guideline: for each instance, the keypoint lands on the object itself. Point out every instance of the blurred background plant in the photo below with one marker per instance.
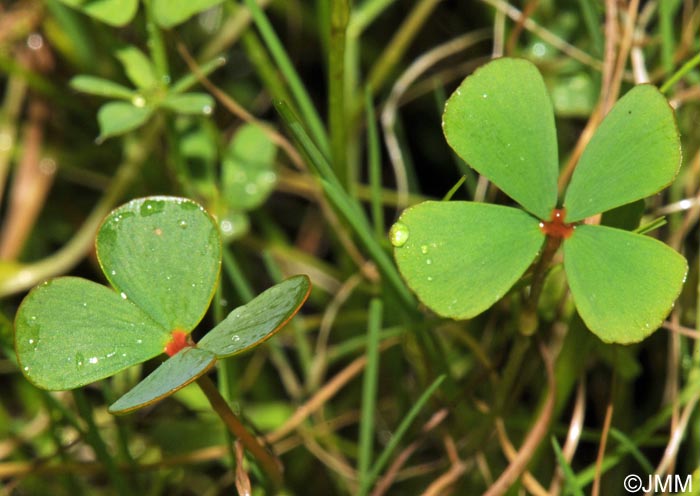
(305, 127)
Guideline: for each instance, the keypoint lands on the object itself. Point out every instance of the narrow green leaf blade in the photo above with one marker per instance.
(172, 375)
(500, 121)
(164, 254)
(255, 322)
(189, 103)
(462, 257)
(70, 332)
(117, 118)
(100, 87)
(113, 12)
(248, 168)
(623, 284)
(635, 153)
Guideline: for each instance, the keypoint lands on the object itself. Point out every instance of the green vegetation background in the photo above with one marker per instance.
(364, 392)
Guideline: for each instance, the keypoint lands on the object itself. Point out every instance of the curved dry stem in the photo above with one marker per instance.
(440, 486)
(385, 482)
(529, 481)
(601, 449)
(533, 438)
(239, 111)
(573, 436)
(677, 435)
(330, 389)
(554, 40)
(407, 78)
(319, 365)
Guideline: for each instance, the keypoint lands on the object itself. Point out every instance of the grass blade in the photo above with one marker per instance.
(279, 54)
(398, 435)
(369, 389)
(571, 486)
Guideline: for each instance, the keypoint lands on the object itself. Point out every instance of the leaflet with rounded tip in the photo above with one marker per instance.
(70, 332)
(635, 153)
(164, 254)
(172, 375)
(624, 284)
(253, 323)
(500, 121)
(462, 257)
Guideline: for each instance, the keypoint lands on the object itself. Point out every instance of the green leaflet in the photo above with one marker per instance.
(172, 375)
(164, 254)
(635, 153)
(623, 284)
(71, 332)
(462, 257)
(251, 324)
(500, 121)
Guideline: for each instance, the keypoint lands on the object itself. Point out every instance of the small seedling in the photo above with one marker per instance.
(461, 257)
(162, 256)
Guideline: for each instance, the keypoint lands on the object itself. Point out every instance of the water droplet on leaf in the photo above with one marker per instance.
(398, 235)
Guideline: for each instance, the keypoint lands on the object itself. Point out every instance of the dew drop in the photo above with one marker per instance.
(398, 235)
(428, 261)
(430, 278)
(235, 338)
(484, 95)
(138, 101)
(123, 295)
(93, 360)
(26, 368)
(424, 249)
(114, 272)
(182, 224)
(207, 110)
(31, 341)
(139, 341)
(226, 226)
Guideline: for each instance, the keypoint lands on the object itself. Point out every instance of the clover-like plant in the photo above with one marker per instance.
(461, 257)
(162, 256)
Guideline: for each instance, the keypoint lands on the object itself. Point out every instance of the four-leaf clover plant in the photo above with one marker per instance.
(461, 257)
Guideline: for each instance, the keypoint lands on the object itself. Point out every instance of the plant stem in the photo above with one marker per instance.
(528, 317)
(513, 366)
(270, 463)
(369, 390)
(340, 13)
